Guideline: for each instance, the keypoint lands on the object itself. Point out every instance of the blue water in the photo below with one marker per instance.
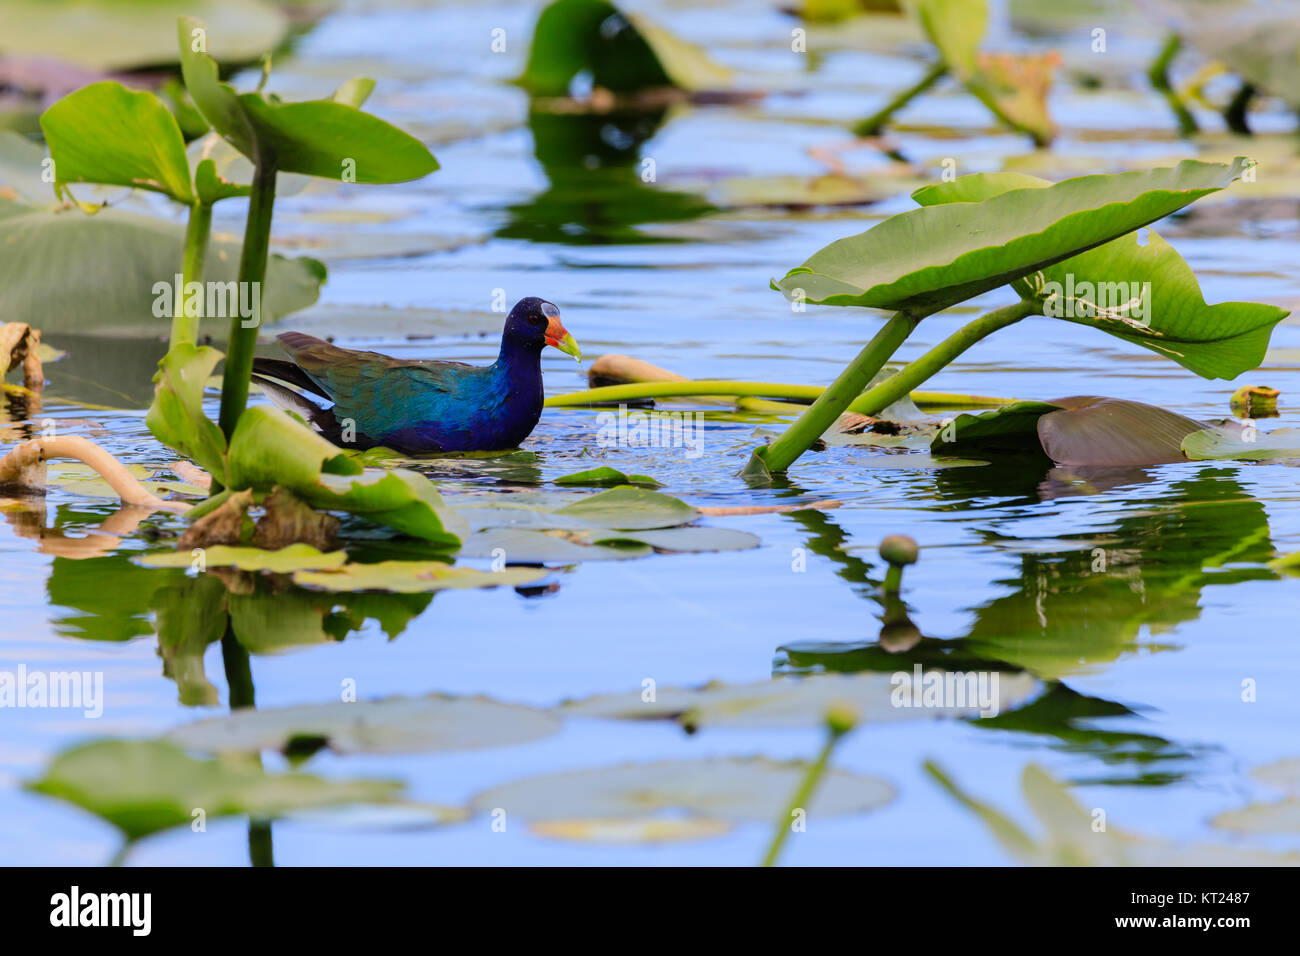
(1002, 547)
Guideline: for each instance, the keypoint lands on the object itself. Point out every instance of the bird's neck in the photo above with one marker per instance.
(520, 364)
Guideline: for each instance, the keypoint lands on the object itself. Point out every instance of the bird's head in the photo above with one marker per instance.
(535, 321)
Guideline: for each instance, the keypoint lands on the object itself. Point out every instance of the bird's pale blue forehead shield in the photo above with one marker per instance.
(550, 310)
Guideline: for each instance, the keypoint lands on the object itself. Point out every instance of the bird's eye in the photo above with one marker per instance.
(537, 319)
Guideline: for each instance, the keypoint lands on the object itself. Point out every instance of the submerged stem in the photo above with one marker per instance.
(1158, 75)
(900, 384)
(252, 269)
(803, 796)
(185, 328)
(872, 124)
(798, 438)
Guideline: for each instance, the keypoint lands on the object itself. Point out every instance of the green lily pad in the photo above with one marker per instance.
(799, 702)
(295, 557)
(631, 509)
(1012, 428)
(726, 789)
(605, 475)
(412, 577)
(522, 546)
(98, 275)
(113, 35)
(682, 539)
(631, 832)
(1232, 441)
(145, 786)
(388, 726)
(927, 259)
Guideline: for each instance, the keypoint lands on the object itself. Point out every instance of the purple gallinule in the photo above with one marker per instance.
(415, 406)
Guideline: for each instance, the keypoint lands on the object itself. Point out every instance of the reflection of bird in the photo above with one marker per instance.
(421, 406)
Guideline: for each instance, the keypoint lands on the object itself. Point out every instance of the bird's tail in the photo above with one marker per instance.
(271, 374)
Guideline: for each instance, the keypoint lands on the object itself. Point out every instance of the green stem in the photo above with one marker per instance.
(873, 123)
(893, 579)
(819, 416)
(1158, 74)
(899, 385)
(1234, 114)
(119, 856)
(632, 391)
(803, 796)
(185, 328)
(252, 268)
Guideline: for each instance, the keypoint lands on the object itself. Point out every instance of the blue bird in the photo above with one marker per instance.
(414, 406)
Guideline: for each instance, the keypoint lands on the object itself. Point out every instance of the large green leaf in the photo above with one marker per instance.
(176, 416)
(927, 259)
(105, 133)
(145, 786)
(63, 271)
(324, 138)
(270, 447)
(123, 34)
(622, 52)
(1143, 293)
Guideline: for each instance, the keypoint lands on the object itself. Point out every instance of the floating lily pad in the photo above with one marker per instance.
(631, 509)
(521, 546)
(295, 557)
(683, 539)
(1012, 428)
(605, 475)
(112, 35)
(719, 789)
(644, 830)
(145, 786)
(791, 702)
(1234, 442)
(1113, 432)
(1071, 839)
(391, 725)
(411, 577)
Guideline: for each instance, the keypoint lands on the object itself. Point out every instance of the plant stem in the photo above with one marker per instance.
(185, 328)
(803, 796)
(1158, 74)
(252, 268)
(798, 438)
(1234, 114)
(873, 123)
(899, 385)
(632, 391)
